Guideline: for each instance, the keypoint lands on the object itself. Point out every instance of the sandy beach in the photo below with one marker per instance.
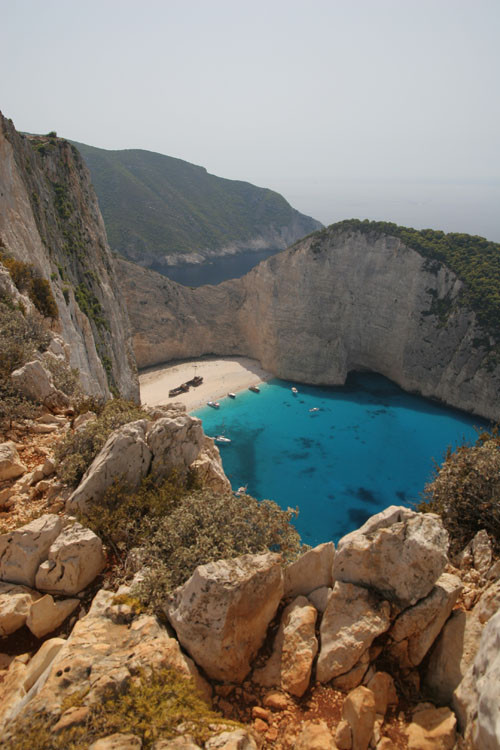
(221, 375)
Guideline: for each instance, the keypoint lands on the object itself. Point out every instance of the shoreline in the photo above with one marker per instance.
(221, 375)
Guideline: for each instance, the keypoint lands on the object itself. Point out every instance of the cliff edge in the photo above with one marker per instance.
(49, 217)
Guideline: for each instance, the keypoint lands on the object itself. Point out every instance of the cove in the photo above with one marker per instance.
(216, 270)
(368, 445)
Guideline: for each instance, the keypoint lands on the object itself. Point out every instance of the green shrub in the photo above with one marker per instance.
(466, 492)
(206, 526)
(21, 337)
(78, 450)
(151, 707)
(28, 281)
(65, 378)
(123, 516)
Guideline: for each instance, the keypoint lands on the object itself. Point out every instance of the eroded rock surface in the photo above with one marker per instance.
(354, 617)
(398, 553)
(294, 650)
(222, 612)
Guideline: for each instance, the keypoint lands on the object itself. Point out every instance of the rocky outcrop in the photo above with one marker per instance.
(51, 554)
(398, 552)
(366, 302)
(11, 465)
(35, 382)
(49, 217)
(354, 617)
(141, 448)
(102, 654)
(294, 650)
(222, 612)
(476, 698)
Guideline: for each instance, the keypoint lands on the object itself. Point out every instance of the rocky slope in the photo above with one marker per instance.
(337, 301)
(160, 211)
(49, 217)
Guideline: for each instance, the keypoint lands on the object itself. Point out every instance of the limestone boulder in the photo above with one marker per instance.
(476, 698)
(294, 650)
(45, 615)
(382, 686)
(35, 382)
(222, 612)
(319, 598)
(312, 570)
(175, 442)
(41, 661)
(416, 629)
(489, 603)
(315, 735)
(74, 559)
(399, 553)
(125, 456)
(432, 729)
(117, 741)
(15, 604)
(239, 739)
(452, 655)
(359, 711)
(207, 468)
(11, 465)
(353, 618)
(22, 550)
(104, 652)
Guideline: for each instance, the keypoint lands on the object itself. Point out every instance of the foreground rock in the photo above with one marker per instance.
(102, 653)
(35, 382)
(11, 465)
(432, 729)
(398, 552)
(140, 448)
(353, 618)
(23, 550)
(74, 559)
(416, 629)
(15, 605)
(294, 650)
(222, 612)
(476, 698)
(313, 570)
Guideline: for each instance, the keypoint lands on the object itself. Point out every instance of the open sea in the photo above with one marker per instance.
(368, 446)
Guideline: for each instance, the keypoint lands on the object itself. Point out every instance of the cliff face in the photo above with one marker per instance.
(344, 301)
(49, 217)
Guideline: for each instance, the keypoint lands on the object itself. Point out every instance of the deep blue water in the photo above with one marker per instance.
(216, 270)
(370, 445)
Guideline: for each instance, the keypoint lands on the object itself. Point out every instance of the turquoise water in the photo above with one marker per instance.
(370, 445)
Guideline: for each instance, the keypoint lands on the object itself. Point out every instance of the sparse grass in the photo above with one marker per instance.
(151, 707)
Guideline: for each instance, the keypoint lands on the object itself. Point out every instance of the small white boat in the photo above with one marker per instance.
(254, 388)
(221, 440)
(294, 390)
(241, 490)
(232, 395)
(213, 404)
(315, 408)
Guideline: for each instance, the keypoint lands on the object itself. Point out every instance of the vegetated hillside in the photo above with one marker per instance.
(155, 206)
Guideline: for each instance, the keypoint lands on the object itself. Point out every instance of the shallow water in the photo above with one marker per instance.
(370, 445)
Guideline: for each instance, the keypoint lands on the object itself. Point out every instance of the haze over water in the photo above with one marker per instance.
(370, 445)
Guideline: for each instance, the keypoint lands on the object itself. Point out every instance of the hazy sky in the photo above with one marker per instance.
(377, 108)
